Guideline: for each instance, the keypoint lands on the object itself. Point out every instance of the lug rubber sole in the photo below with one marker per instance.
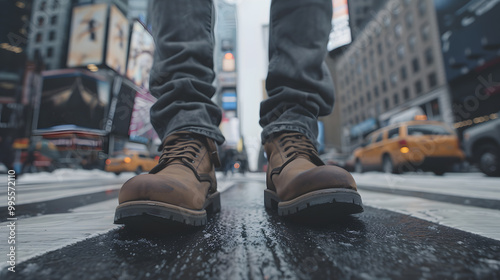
(147, 213)
(320, 205)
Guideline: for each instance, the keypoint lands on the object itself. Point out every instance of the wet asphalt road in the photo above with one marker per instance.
(245, 241)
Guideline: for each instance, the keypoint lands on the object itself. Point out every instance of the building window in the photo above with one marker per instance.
(409, 20)
(401, 51)
(386, 103)
(387, 20)
(38, 37)
(52, 35)
(429, 57)
(50, 52)
(41, 21)
(412, 42)
(379, 48)
(368, 97)
(43, 6)
(403, 73)
(435, 108)
(418, 87)
(415, 65)
(406, 93)
(55, 5)
(426, 31)
(375, 92)
(394, 79)
(361, 101)
(53, 20)
(395, 98)
(384, 86)
(398, 30)
(432, 79)
(396, 11)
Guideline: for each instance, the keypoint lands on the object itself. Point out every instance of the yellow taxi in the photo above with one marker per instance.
(130, 161)
(410, 146)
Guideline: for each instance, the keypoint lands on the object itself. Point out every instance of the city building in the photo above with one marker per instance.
(14, 27)
(471, 54)
(394, 64)
(48, 38)
(14, 103)
(49, 32)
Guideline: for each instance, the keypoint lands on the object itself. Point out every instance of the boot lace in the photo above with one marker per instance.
(184, 148)
(295, 144)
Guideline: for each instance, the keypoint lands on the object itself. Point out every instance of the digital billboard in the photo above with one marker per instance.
(118, 31)
(341, 31)
(73, 98)
(86, 43)
(140, 59)
(468, 34)
(141, 129)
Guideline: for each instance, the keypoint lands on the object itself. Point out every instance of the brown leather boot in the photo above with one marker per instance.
(179, 190)
(300, 185)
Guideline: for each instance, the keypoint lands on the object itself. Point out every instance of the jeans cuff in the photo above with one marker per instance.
(276, 128)
(214, 135)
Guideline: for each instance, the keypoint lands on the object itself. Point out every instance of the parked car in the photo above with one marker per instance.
(409, 146)
(482, 146)
(132, 161)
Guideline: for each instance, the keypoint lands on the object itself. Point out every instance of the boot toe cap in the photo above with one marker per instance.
(318, 178)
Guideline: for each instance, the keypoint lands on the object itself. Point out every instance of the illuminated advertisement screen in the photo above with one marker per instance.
(141, 129)
(341, 31)
(140, 59)
(73, 98)
(86, 42)
(469, 34)
(118, 30)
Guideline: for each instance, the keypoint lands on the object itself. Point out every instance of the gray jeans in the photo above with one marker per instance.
(298, 83)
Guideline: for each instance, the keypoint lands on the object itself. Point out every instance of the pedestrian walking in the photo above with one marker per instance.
(183, 187)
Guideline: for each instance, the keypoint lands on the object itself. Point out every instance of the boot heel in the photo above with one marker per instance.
(215, 204)
(270, 200)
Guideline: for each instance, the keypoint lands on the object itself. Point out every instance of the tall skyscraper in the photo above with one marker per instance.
(394, 64)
